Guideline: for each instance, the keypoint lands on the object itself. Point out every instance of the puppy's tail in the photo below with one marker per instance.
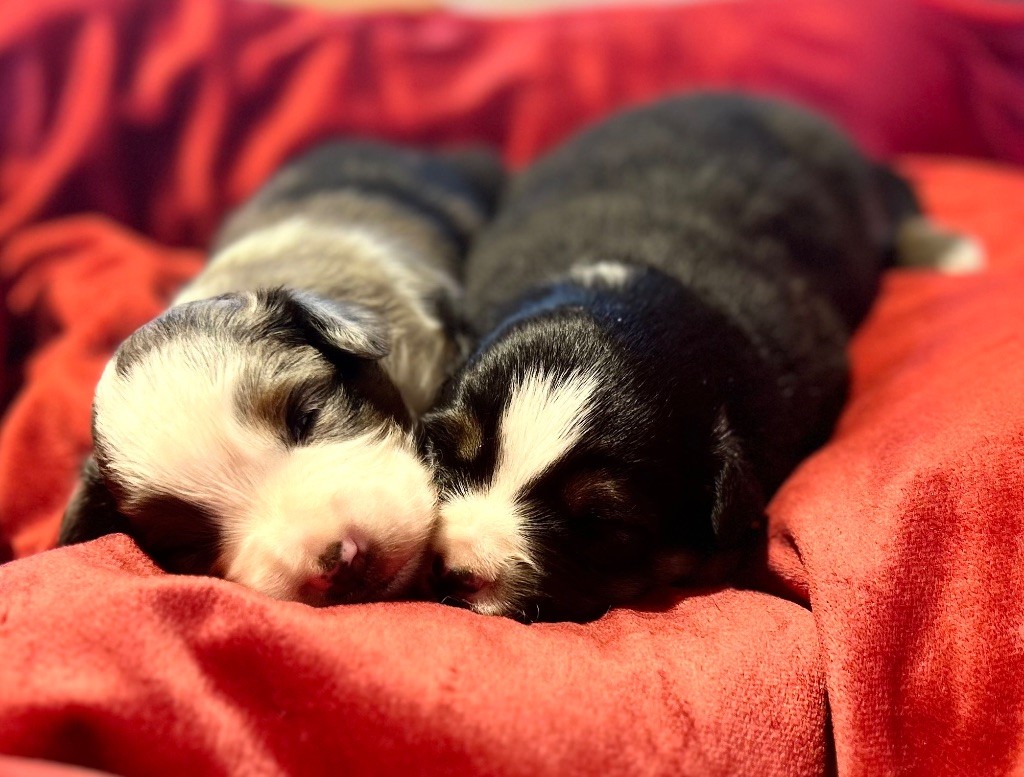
(921, 243)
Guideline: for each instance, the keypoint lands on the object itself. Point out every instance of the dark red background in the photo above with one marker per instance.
(895, 638)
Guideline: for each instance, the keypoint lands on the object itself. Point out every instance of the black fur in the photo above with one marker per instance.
(756, 235)
(92, 512)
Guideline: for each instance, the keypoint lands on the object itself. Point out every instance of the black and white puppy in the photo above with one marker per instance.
(261, 428)
(667, 298)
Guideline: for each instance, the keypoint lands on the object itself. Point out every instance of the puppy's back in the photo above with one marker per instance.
(706, 188)
(456, 189)
(424, 205)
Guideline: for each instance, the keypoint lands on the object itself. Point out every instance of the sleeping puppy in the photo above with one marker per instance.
(667, 299)
(260, 429)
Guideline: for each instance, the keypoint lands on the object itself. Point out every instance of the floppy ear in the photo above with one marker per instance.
(92, 511)
(352, 337)
(341, 327)
(737, 516)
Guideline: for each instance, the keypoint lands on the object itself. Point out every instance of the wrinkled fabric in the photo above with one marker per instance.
(889, 635)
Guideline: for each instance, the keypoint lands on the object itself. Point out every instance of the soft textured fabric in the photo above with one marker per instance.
(890, 634)
(11, 766)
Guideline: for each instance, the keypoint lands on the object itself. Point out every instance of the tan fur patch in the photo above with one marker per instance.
(469, 437)
(595, 488)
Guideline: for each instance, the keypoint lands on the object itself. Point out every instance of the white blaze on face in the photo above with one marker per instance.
(171, 426)
(483, 531)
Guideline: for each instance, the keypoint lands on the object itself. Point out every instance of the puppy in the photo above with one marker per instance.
(261, 428)
(667, 299)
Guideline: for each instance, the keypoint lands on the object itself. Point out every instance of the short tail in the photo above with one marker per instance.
(920, 242)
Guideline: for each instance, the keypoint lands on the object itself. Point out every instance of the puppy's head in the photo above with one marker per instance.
(255, 436)
(567, 486)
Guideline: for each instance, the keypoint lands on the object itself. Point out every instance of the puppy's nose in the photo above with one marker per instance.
(455, 583)
(341, 564)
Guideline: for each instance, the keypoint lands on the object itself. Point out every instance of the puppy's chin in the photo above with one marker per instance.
(371, 492)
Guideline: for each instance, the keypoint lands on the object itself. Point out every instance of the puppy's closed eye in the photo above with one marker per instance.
(594, 492)
(300, 422)
(290, 408)
(605, 516)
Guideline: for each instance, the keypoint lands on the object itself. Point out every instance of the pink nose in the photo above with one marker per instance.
(341, 560)
(456, 583)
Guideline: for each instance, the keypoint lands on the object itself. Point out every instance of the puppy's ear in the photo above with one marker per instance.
(92, 511)
(737, 516)
(334, 327)
(352, 338)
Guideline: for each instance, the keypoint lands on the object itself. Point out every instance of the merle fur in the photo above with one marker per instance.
(449, 194)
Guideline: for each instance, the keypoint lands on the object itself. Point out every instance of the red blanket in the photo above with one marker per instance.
(890, 636)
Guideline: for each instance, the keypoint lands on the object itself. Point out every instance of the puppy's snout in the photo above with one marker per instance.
(457, 584)
(342, 565)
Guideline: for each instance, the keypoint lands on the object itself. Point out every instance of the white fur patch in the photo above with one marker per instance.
(544, 417)
(366, 489)
(170, 427)
(483, 531)
(964, 255)
(923, 243)
(602, 273)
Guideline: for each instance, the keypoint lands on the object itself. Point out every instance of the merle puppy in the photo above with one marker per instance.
(261, 428)
(667, 300)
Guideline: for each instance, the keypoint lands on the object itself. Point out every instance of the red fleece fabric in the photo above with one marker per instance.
(890, 638)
